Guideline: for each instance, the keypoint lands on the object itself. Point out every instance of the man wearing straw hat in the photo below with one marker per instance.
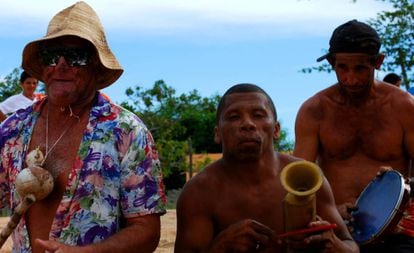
(108, 194)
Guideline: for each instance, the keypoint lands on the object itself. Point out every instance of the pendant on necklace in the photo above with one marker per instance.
(34, 179)
(35, 158)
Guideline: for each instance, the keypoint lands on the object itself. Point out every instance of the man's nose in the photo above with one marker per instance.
(247, 124)
(352, 79)
(62, 63)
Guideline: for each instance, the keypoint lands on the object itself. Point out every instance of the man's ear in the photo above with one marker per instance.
(217, 138)
(276, 133)
(379, 61)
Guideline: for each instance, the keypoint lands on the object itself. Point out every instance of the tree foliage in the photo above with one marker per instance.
(176, 117)
(396, 30)
(283, 144)
(10, 86)
(172, 120)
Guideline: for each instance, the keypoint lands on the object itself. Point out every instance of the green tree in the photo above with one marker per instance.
(396, 30)
(169, 116)
(283, 144)
(10, 86)
(173, 120)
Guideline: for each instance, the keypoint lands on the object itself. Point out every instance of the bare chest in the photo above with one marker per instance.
(262, 203)
(373, 132)
(60, 145)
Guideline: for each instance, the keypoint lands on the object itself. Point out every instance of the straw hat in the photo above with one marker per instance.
(78, 20)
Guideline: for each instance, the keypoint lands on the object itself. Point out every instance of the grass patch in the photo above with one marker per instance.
(172, 196)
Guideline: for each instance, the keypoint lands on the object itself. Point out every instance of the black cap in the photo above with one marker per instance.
(353, 37)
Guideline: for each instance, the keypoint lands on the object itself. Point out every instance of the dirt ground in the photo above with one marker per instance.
(168, 229)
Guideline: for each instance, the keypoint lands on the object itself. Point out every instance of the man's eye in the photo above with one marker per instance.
(360, 68)
(233, 117)
(259, 115)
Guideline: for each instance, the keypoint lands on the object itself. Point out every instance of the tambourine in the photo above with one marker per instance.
(380, 207)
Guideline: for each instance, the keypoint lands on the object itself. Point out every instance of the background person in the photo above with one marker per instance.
(108, 194)
(235, 203)
(358, 125)
(393, 79)
(22, 100)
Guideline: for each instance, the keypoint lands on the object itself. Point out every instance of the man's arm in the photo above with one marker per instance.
(307, 132)
(405, 107)
(2, 116)
(140, 234)
(341, 240)
(195, 229)
(407, 102)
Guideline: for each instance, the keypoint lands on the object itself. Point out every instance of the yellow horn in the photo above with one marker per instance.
(301, 180)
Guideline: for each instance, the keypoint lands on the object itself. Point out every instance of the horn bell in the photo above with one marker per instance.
(301, 180)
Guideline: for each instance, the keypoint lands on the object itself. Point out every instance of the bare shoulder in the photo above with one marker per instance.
(401, 102)
(201, 186)
(206, 178)
(285, 159)
(195, 210)
(313, 107)
(402, 98)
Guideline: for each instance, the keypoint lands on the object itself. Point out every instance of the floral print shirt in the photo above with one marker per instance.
(116, 174)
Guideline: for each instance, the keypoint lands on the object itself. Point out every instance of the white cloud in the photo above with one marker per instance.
(201, 17)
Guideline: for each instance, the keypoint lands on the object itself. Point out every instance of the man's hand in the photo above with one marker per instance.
(57, 247)
(345, 211)
(383, 169)
(245, 236)
(327, 241)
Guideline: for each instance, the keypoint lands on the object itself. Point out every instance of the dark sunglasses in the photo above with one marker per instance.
(75, 57)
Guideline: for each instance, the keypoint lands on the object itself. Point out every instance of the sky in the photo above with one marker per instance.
(206, 45)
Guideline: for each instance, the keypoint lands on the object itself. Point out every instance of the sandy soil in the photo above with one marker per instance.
(168, 230)
(166, 245)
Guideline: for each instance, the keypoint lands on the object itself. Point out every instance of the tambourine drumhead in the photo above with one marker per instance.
(377, 206)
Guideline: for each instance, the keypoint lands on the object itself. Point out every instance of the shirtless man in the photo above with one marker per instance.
(358, 125)
(235, 204)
